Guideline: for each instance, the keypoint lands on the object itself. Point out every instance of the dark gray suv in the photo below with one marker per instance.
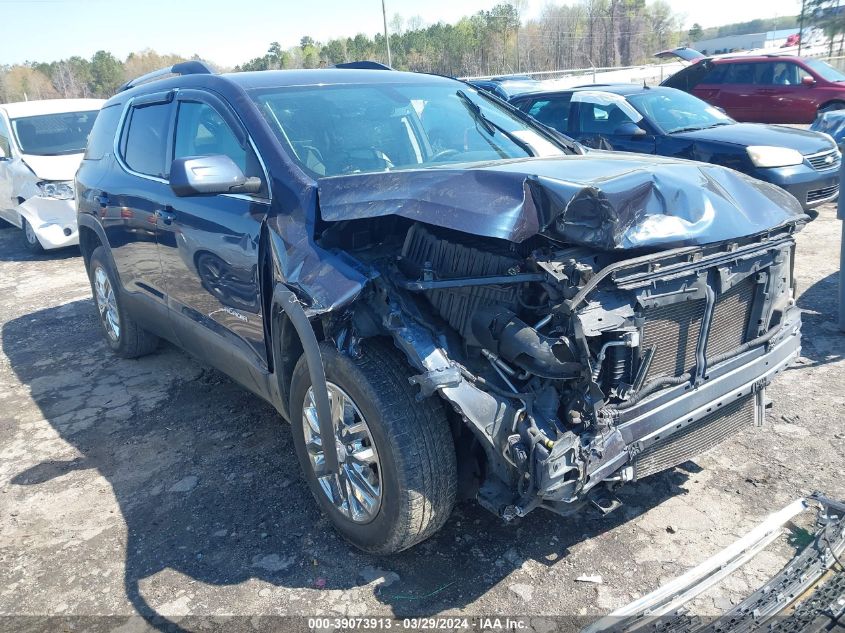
(444, 298)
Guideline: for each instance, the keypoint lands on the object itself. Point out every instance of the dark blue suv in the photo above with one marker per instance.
(443, 297)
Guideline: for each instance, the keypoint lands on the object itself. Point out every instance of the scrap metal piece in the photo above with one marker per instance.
(671, 596)
(433, 380)
(808, 579)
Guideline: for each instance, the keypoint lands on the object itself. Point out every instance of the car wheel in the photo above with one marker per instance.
(396, 457)
(832, 107)
(30, 239)
(123, 334)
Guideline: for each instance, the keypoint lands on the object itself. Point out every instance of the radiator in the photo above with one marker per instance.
(696, 438)
(673, 330)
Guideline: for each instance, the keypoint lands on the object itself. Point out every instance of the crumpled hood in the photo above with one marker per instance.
(603, 200)
(53, 167)
(832, 123)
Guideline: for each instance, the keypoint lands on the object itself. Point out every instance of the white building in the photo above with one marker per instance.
(746, 42)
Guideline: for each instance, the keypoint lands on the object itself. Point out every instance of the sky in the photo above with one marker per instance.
(230, 32)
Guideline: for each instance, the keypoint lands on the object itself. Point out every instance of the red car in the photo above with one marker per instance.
(761, 89)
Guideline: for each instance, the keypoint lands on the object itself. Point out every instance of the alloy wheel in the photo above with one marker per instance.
(106, 303)
(356, 490)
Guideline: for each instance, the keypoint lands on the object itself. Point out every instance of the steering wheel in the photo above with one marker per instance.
(444, 153)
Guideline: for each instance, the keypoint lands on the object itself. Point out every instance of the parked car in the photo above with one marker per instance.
(448, 299)
(506, 86)
(668, 122)
(763, 88)
(832, 124)
(41, 146)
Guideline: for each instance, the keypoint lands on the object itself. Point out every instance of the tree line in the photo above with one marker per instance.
(583, 34)
(588, 33)
(77, 77)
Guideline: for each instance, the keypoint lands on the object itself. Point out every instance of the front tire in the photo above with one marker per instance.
(396, 455)
(124, 336)
(30, 239)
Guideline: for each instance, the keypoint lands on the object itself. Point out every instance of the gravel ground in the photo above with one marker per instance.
(158, 487)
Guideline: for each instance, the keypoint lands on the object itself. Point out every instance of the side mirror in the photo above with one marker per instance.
(195, 175)
(629, 128)
(806, 80)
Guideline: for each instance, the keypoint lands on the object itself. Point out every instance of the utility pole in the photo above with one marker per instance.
(386, 36)
(801, 27)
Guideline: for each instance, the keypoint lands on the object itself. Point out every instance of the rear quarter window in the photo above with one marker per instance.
(145, 142)
(101, 139)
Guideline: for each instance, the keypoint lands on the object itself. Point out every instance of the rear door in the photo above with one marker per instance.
(732, 87)
(209, 243)
(133, 195)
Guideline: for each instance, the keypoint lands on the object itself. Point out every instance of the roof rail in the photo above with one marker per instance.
(364, 64)
(193, 67)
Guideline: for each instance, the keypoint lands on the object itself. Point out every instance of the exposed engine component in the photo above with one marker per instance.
(427, 256)
(499, 330)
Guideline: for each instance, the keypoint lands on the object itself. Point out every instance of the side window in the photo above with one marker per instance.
(790, 74)
(740, 74)
(553, 112)
(716, 75)
(101, 139)
(201, 131)
(602, 118)
(4, 139)
(688, 78)
(145, 143)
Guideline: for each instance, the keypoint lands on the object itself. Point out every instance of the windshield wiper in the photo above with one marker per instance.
(691, 128)
(489, 126)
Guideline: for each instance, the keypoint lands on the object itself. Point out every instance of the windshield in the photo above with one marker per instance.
(674, 111)
(347, 129)
(825, 70)
(54, 134)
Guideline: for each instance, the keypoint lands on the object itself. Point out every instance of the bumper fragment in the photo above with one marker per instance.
(809, 589)
(54, 221)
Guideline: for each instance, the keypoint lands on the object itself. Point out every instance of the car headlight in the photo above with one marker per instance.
(60, 190)
(770, 156)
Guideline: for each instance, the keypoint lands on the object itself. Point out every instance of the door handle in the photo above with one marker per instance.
(165, 217)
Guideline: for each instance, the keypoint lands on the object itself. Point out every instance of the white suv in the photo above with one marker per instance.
(41, 146)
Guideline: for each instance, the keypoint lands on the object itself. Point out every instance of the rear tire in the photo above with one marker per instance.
(126, 338)
(412, 456)
(30, 240)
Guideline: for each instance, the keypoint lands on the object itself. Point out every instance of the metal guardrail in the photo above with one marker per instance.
(660, 71)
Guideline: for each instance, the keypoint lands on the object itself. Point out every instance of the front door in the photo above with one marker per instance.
(209, 243)
(783, 97)
(608, 121)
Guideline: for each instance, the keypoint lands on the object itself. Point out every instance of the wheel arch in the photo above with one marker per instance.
(91, 235)
(835, 101)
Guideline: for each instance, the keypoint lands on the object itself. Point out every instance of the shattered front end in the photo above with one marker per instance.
(595, 351)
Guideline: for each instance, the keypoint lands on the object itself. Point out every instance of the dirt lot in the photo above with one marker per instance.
(158, 487)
